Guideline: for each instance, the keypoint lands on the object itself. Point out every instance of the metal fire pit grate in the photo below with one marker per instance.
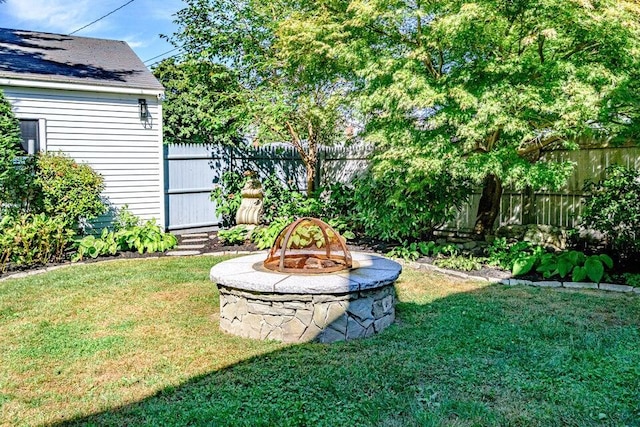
(310, 246)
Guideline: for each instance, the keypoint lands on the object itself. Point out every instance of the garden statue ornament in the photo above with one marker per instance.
(251, 205)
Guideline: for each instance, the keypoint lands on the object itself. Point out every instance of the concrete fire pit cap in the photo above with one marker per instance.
(246, 273)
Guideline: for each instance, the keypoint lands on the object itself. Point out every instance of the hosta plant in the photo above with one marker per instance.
(573, 263)
(147, 237)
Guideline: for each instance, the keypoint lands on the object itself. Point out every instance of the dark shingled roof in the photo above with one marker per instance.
(30, 55)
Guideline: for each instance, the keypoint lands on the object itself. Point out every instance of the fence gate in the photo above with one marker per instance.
(190, 173)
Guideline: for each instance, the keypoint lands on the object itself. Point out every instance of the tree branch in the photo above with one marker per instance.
(537, 145)
(579, 48)
(493, 139)
(295, 141)
(540, 48)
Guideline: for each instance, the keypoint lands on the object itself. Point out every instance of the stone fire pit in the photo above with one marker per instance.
(263, 304)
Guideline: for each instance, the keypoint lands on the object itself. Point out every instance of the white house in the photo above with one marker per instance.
(94, 100)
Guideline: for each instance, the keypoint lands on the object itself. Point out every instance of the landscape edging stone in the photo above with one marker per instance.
(608, 287)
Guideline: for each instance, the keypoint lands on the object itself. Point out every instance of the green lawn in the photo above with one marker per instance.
(137, 343)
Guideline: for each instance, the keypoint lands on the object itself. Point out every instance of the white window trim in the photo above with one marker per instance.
(42, 134)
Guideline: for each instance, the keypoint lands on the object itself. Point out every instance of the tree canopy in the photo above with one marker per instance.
(199, 105)
(274, 100)
(490, 84)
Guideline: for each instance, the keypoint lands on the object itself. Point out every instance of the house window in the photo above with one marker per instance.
(30, 136)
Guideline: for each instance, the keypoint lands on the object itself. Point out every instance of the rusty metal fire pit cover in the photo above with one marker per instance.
(309, 246)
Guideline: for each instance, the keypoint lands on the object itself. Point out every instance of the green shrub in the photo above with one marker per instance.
(614, 209)
(632, 279)
(53, 184)
(67, 188)
(337, 200)
(282, 201)
(338, 205)
(265, 236)
(395, 206)
(12, 176)
(33, 239)
(227, 196)
(503, 254)
(341, 226)
(9, 135)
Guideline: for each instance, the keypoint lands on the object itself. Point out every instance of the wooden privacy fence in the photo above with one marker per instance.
(193, 169)
(560, 208)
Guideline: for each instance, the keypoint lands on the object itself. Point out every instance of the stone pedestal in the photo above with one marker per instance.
(251, 205)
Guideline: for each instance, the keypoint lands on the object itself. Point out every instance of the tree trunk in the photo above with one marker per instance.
(311, 177)
(310, 160)
(308, 157)
(489, 206)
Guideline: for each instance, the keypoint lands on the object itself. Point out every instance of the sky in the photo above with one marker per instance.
(139, 23)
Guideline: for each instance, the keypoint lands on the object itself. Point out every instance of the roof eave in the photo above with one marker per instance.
(44, 84)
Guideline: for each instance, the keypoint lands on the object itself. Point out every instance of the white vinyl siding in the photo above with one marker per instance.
(103, 130)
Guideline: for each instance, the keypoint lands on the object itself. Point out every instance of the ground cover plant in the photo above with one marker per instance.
(128, 234)
(136, 342)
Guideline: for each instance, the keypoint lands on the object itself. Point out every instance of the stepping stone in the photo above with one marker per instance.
(189, 247)
(195, 240)
(182, 253)
(194, 235)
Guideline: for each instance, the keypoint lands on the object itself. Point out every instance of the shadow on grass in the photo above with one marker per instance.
(493, 356)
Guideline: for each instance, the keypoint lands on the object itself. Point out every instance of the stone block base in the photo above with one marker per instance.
(306, 317)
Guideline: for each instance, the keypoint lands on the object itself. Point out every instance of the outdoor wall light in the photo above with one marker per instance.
(144, 110)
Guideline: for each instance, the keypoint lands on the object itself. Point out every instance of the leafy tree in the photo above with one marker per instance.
(9, 148)
(9, 132)
(276, 99)
(492, 85)
(199, 105)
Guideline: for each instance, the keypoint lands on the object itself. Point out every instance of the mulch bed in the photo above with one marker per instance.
(213, 244)
(486, 271)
